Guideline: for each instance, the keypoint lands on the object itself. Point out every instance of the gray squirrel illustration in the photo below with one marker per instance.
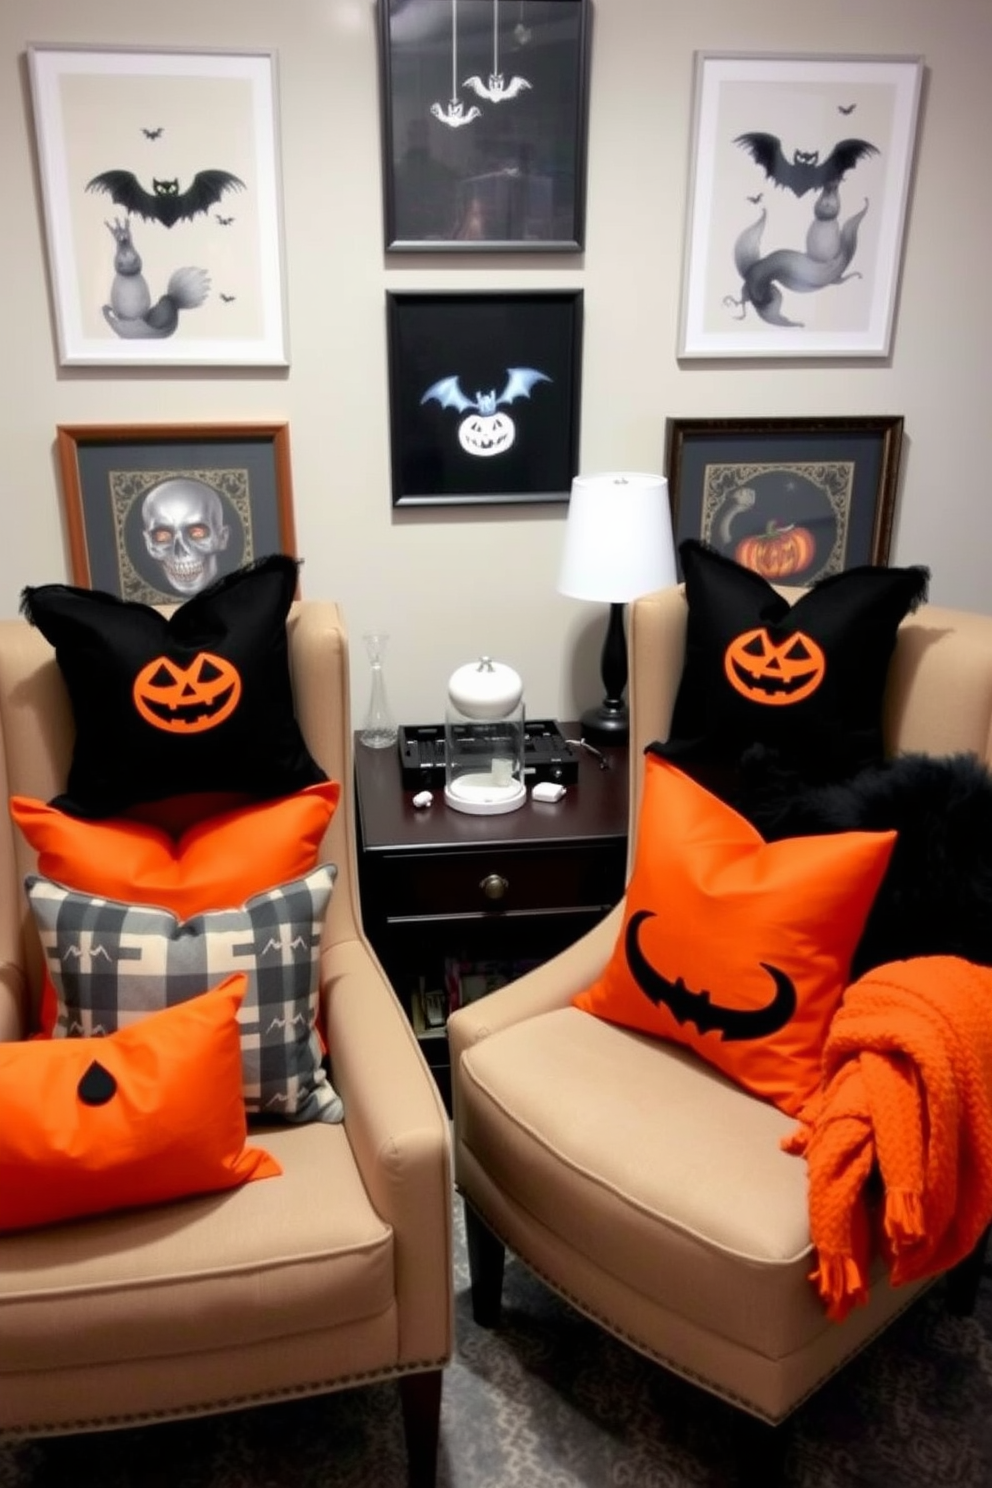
(130, 313)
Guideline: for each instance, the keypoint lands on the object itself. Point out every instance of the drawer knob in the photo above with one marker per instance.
(493, 886)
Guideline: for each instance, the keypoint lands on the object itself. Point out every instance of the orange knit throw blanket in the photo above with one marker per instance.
(905, 1096)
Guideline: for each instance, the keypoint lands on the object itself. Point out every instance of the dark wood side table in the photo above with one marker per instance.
(443, 889)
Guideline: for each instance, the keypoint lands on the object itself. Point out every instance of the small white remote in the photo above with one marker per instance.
(547, 790)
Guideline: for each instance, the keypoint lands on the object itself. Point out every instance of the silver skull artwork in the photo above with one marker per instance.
(184, 529)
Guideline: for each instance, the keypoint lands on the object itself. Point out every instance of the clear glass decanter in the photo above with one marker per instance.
(379, 730)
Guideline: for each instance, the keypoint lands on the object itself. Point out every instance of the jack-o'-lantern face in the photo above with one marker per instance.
(190, 699)
(486, 434)
(774, 672)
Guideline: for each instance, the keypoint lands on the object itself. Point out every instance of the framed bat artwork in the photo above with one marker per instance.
(484, 123)
(484, 396)
(800, 169)
(161, 189)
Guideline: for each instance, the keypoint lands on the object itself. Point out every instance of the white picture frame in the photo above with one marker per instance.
(112, 121)
(793, 247)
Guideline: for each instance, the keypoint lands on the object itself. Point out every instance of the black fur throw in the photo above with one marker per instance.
(936, 897)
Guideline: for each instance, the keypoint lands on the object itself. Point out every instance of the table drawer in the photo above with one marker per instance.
(497, 882)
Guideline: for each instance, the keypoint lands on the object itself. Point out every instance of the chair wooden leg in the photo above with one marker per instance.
(964, 1279)
(486, 1257)
(420, 1395)
(760, 1453)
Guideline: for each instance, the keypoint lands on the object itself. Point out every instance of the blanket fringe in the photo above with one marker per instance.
(839, 1280)
(905, 1222)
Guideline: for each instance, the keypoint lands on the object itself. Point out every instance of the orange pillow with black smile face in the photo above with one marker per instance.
(738, 948)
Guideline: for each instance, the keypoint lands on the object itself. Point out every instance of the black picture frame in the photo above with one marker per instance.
(484, 396)
(809, 496)
(108, 470)
(485, 110)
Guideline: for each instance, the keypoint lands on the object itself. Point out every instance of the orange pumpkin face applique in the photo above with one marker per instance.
(187, 699)
(776, 673)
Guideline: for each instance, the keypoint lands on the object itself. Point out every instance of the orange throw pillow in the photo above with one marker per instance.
(216, 864)
(151, 1113)
(738, 948)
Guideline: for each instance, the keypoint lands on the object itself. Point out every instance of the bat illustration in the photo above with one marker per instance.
(152, 133)
(228, 299)
(497, 89)
(754, 200)
(732, 1024)
(804, 172)
(846, 108)
(519, 381)
(224, 221)
(165, 203)
(455, 115)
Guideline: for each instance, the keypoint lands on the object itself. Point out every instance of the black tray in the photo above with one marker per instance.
(546, 755)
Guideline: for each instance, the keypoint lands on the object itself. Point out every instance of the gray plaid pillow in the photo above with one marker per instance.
(112, 964)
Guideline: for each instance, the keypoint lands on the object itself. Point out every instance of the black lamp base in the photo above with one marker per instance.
(610, 722)
(607, 724)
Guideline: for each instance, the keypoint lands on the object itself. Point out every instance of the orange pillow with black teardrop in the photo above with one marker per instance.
(738, 948)
(150, 1113)
(172, 705)
(806, 680)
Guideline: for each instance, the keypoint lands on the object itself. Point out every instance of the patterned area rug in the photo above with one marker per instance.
(550, 1401)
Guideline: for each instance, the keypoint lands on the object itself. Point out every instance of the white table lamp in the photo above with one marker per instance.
(618, 545)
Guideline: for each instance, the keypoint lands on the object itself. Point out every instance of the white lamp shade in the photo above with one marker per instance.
(618, 537)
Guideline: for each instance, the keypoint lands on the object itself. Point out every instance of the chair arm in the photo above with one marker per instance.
(398, 1130)
(13, 1002)
(548, 987)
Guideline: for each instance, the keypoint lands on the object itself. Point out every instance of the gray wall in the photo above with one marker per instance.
(448, 585)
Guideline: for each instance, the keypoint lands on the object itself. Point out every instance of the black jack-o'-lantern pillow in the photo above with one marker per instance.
(805, 679)
(196, 702)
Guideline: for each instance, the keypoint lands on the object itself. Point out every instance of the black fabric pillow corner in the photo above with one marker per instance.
(197, 701)
(936, 896)
(805, 680)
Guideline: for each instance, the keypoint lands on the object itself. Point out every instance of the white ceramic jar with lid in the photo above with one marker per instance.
(484, 739)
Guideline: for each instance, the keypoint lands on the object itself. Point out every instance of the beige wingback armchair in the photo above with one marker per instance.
(642, 1186)
(335, 1274)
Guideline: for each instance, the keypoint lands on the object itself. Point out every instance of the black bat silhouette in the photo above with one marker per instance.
(224, 221)
(165, 203)
(732, 1024)
(846, 108)
(804, 172)
(152, 133)
(227, 298)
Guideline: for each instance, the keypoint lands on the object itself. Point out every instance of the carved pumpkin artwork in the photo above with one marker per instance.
(486, 434)
(778, 552)
(774, 672)
(190, 699)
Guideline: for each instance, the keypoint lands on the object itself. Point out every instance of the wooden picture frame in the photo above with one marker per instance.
(162, 197)
(799, 177)
(808, 497)
(484, 396)
(155, 512)
(485, 110)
